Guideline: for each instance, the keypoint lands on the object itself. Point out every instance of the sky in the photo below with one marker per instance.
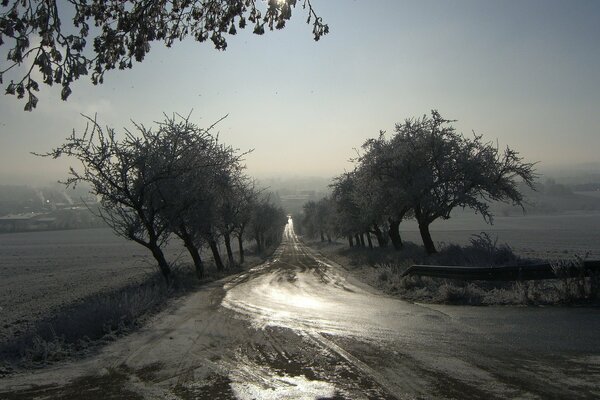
(522, 73)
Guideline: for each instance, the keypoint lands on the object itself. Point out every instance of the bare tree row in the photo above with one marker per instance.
(423, 171)
(173, 180)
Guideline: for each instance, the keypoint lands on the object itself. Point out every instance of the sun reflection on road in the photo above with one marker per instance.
(294, 300)
(284, 387)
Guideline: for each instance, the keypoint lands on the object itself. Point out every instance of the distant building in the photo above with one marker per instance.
(26, 222)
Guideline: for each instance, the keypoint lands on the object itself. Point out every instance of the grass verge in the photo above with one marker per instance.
(383, 268)
(82, 328)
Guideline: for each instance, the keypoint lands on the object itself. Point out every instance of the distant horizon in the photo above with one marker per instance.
(557, 171)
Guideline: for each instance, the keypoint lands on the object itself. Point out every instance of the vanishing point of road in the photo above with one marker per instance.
(299, 327)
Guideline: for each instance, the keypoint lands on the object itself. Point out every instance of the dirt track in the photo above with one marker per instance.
(299, 327)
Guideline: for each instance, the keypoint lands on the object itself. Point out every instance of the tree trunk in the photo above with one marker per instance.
(195, 254)
(227, 240)
(193, 250)
(357, 239)
(350, 241)
(369, 240)
(322, 237)
(163, 265)
(426, 236)
(394, 233)
(328, 238)
(241, 246)
(258, 243)
(379, 235)
(216, 255)
(362, 240)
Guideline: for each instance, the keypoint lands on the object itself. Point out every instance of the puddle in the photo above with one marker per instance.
(284, 387)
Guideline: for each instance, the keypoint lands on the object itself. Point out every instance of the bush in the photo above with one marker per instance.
(383, 268)
(483, 251)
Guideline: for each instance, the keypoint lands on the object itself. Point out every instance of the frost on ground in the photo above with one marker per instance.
(383, 268)
(45, 272)
(64, 292)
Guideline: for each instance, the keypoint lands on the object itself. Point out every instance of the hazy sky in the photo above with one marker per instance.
(525, 73)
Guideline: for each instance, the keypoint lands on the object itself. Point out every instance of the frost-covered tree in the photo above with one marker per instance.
(439, 169)
(232, 202)
(192, 192)
(245, 197)
(424, 170)
(348, 212)
(126, 175)
(266, 223)
(173, 178)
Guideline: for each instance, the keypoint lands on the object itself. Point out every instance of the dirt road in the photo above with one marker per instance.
(299, 327)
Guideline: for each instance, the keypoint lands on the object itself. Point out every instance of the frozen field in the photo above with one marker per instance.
(43, 271)
(40, 272)
(545, 236)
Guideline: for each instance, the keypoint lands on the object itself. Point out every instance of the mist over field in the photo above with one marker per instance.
(313, 199)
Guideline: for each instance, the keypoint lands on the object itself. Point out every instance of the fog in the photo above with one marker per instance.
(524, 75)
(293, 218)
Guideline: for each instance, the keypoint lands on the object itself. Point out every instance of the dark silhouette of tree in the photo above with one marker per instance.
(67, 40)
(228, 204)
(266, 223)
(424, 170)
(319, 219)
(326, 218)
(348, 212)
(189, 193)
(127, 177)
(309, 216)
(242, 196)
(372, 197)
(439, 170)
(208, 191)
(382, 191)
(172, 179)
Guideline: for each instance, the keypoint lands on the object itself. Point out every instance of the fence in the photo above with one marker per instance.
(506, 273)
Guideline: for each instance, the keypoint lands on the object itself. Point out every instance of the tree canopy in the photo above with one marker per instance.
(425, 169)
(175, 179)
(70, 39)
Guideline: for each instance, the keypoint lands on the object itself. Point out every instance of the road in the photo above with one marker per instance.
(298, 326)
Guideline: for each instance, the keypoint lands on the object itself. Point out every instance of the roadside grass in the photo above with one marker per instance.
(383, 268)
(81, 328)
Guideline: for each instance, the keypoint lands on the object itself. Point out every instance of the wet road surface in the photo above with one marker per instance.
(299, 327)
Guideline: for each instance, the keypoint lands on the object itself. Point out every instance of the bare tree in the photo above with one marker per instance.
(236, 198)
(126, 176)
(318, 218)
(440, 170)
(266, 223)
(382, 191)
(425, 170)
(246, 198)
(372, 197)
(120, 32)
(200, 203)
(348, 213)
(187, 192)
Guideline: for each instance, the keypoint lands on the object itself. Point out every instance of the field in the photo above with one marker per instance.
(40, 272)
(540, 236)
